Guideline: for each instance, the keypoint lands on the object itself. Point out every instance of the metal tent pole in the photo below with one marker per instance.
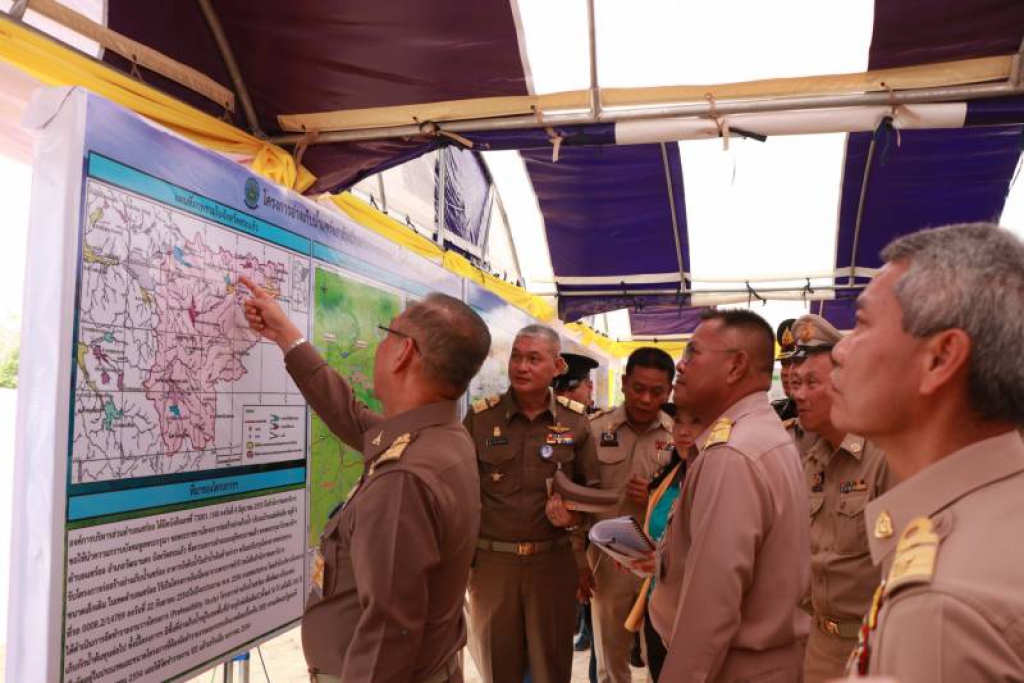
(213, 21)
(958, 93)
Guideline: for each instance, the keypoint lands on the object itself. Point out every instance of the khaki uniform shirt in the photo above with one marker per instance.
(840, 484)
(513, 471)
(396, 557)
(801, 437)
(961, 618)
(734, 561)
(622, 454)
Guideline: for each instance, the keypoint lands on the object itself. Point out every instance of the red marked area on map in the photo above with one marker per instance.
(202, 340)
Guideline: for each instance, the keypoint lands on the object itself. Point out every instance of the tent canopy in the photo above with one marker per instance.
(565, 145)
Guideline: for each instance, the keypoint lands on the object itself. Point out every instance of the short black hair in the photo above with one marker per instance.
(763, 360)
(651, 357)
(454, 341)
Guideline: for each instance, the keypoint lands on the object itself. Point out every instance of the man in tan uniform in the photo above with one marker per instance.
(844, 472)
(390, 576)
(933, 374)
(525, 575)
(734, 561)
(634, 441)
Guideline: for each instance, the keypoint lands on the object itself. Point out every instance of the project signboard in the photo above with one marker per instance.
(170, 480)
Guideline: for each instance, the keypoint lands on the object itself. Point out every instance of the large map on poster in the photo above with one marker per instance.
(346, 315)
(169, 377)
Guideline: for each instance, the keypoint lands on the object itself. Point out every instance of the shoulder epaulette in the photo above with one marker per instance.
(599, 413)
(394, 452)
(916, 552)
(574, 406)
(482, 404)
(720, 432)
(786, 424)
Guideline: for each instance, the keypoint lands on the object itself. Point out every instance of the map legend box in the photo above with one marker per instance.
(273, 433)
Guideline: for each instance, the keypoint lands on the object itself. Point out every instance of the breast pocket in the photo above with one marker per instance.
(498, 471)
(614, 467)
(851, 536)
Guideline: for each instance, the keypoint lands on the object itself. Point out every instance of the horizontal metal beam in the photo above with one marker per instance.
(721, 290)
(683, 110)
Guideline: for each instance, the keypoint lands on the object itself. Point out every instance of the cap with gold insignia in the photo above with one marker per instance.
(787, 342)
(813, 335)
(577, 369)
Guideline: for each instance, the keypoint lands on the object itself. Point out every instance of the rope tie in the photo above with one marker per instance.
(556, 143)
(300, 147)
(433, 130)
(893, 112)
(720, 121)
(136, 74)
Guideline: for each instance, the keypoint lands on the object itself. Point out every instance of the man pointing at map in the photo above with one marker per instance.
(390, 574)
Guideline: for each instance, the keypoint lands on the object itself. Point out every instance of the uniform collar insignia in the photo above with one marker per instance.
(883, 525)
(376, 441)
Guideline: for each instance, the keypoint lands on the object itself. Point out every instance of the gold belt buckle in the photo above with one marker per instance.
(526, 548)
(830, 627)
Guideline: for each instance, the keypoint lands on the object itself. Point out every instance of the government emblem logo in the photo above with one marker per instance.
(252, 193)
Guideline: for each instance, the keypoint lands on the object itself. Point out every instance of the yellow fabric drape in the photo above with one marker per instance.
(54, 64)
(517, 296)
(388, 227)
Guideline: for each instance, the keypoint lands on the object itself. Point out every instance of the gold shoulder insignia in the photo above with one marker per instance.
(599, 413)
(482, 404)
(786, 424)
(721, 430)
(916, 552)
(574, 406)
(394, 452)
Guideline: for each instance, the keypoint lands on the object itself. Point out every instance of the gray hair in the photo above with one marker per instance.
(542, 332)
(453, 341)
(970, 277)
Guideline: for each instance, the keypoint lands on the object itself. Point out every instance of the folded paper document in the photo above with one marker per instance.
(623, 539)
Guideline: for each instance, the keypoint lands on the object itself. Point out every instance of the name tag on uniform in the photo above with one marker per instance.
(853, 486)
(819, 483)
(609, 439)
(497, 441)
(317, 573)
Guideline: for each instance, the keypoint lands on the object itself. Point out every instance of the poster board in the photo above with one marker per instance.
(169, 478)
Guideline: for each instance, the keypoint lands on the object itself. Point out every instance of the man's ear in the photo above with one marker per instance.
(739, 366)
(561, 367)
(404, 358)
(944, 357)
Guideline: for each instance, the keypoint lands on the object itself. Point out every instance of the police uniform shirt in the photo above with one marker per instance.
(623, 453)
(801, 437)
(517, 456)
(840, 485)
(734, 560)
(948, 541)
(390, 577)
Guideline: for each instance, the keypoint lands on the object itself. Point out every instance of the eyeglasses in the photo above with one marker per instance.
(690, 351)
(385, 328)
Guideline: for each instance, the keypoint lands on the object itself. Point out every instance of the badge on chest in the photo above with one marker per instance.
(558, 435)
(609, 439)
(497, 439)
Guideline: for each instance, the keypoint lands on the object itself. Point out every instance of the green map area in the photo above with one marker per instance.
(345, 318)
